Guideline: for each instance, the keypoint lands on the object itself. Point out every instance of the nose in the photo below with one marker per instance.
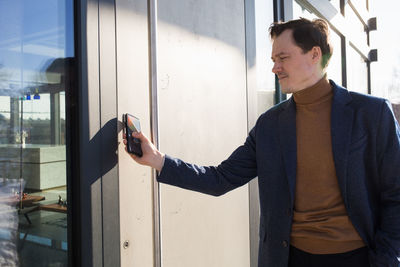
(276, 68)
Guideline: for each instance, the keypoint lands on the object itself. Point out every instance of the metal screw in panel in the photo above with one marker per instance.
(126, 244)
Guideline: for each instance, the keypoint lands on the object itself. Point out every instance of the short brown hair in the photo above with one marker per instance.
(306, 35)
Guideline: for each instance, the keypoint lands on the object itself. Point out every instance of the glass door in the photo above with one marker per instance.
(36, 60)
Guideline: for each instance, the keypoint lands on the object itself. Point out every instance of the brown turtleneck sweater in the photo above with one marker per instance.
(320, 222)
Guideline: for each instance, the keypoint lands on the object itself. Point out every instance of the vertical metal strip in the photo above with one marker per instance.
(152, 22)
(344, 60)
(283, 11)
(250, 48)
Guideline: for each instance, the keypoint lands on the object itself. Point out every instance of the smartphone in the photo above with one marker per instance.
(132, 124)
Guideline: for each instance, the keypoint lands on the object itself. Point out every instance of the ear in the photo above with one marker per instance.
(316, 54)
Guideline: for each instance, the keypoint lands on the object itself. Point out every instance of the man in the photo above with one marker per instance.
(327, 161)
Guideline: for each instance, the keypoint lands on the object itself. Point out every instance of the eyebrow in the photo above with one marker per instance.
(279, 54)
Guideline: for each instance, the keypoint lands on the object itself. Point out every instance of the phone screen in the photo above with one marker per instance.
(133, 123)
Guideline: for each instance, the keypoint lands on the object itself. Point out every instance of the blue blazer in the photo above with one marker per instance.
(366, 151)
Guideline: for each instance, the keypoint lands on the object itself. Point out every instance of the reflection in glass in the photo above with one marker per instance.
(301, 11)
(36, 59)
(265, 79)
(357, 71)
(336, 4)
(355, 26)
(334, 69)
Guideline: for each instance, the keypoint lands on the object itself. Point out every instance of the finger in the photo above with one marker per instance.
(139, 135)
(133, 156)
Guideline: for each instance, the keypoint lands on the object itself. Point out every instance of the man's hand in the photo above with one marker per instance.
(151, 156)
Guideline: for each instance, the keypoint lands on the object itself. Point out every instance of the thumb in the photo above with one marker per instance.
(139, 135)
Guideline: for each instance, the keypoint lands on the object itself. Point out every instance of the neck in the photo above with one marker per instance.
(320, 91)
(313, 80)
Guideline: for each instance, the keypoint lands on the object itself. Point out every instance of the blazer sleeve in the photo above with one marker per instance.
(387, 236)
(234, 172)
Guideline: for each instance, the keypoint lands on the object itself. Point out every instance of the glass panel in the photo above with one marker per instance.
(356, 72)
(265, 79)
(336, 4)
(360, 3)
(334, 69)
(300, 11)
(355, 26)
(36, 57)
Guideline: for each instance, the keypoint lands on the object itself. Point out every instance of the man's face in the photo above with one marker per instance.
(295, 70)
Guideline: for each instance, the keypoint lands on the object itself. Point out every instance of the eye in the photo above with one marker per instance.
(283, 58)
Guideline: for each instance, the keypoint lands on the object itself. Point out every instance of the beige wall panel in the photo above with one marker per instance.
(202, 119)
(135, 183)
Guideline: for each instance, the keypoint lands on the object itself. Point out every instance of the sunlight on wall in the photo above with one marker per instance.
(386, 71)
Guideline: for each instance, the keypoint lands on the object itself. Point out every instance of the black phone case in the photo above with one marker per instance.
(133, 144)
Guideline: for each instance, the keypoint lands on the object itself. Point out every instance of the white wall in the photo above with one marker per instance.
(203, 118)
(135, 183)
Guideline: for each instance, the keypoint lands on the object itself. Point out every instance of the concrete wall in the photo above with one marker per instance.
(135, 184)
(202, 119)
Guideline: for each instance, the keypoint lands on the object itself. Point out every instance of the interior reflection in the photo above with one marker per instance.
(36, 62)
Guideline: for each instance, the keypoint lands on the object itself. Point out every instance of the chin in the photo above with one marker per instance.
(286, 90)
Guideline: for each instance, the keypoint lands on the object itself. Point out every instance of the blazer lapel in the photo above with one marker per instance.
(288, 143)
(341, 127)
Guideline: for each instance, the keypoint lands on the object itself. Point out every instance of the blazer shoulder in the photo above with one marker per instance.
(274, 111)
(367, 99)
(357, 100)
(371, 105)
